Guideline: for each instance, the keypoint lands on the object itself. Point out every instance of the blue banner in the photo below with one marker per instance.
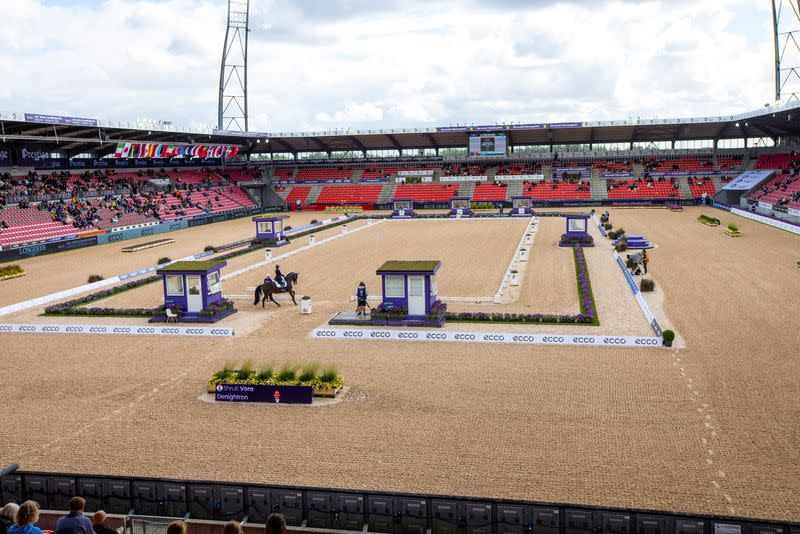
(263, 393)
(34, 157)
(58, 119)
(133, 233)
(5, 156)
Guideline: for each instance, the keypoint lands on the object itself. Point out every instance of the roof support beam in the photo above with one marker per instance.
(396, 144)
(434, 144)
(284, 144)
(359, 144)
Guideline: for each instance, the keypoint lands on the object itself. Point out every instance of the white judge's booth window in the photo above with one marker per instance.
(214, 283)
(434, 287)
(577, 225)
(174, 285)
(264, 228)
(394, 287)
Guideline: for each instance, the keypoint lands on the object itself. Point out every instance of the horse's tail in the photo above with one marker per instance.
(258, 294)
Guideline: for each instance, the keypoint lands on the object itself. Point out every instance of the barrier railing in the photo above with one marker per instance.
(365, 511)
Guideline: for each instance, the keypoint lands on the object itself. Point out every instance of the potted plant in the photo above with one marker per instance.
(668, 336)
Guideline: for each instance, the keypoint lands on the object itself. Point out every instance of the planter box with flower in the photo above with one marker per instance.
(732, 230)
(708, 221)
(290, 379)
(8, 272)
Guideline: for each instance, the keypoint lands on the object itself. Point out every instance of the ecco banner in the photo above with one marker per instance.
(366, 334)
(199, 331)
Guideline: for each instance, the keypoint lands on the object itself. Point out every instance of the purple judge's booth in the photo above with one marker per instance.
(270, 229)
(194, 290)
(403, 208)
(460, 207)
(520, 206)
(410, 285)
(577, 231)
(577, 225)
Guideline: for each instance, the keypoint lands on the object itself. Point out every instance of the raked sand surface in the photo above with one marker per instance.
(711, 427)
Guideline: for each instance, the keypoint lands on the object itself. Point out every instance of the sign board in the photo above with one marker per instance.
(264, 393)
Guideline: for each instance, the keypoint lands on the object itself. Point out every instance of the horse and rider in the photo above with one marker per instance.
(279, 284)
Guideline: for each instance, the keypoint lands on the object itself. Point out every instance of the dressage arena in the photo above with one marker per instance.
(674, 429)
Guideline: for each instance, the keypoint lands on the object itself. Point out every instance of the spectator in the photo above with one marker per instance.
(99, 524)
(74, 522)
(27, 516)
(232, 527)
(276, 524)
(7, 516)
(178, 527)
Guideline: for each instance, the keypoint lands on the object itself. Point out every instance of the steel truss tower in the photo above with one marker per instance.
(233, 71)
(786, 27)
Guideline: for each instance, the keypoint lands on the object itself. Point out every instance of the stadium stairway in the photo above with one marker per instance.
(598, 186)
(437, 175)
(683, 187)
(547, 171)
(313, 195)
(717, 180)
(638, 170)
(514, 189)
(467, 189)
(491, 172)
(387, 193)
(356, 176)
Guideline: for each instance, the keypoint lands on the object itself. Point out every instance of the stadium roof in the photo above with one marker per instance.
(73, 136)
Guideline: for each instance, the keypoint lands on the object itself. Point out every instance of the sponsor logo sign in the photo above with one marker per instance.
(263, 393)
(368, 334)
(200, 331)
(58, 119)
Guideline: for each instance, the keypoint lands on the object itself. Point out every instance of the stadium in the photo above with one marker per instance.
(568, 327)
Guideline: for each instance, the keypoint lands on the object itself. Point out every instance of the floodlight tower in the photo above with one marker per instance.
(786, 28)
(233, 71)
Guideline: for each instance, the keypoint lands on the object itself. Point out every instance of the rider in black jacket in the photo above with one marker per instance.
(279, 280)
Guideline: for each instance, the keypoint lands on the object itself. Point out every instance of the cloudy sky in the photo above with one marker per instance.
(324, 64)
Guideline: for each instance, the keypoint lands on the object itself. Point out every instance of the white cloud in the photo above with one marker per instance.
(322, 64)
(353, 113)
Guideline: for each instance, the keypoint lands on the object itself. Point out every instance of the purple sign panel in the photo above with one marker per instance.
(262, 393)
(5, 156)
(57, 119)
(500, 127)
(33, 158)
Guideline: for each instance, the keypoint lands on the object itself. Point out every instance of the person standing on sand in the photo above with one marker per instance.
(361, 297)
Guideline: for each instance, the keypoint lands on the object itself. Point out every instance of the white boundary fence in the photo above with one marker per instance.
(793, 228)
(123, 330)
(369, 334)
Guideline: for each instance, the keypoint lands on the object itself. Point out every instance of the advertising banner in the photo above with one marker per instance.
(501, 127)
(57, 119)
(33, 157)
(463, 178)
(5, 156)
(461, 336)
(519, 177)
(263, 393)
(416, 172)
(202, 331)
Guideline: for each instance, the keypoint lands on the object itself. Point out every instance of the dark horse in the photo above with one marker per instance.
(265, 290)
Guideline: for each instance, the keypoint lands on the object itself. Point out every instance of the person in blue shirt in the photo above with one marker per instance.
(361, 298)
(27, 516)
(75, 522)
